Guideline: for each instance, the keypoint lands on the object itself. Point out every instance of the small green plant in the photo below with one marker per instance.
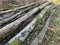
(51, 42)
(15, 42)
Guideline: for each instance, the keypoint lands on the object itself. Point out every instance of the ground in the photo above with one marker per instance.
(52, 37)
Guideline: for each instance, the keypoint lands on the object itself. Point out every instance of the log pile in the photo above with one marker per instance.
(27, 18)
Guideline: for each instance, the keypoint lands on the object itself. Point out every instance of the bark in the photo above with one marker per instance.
(16, 8)
(14, 25)
(29, 27)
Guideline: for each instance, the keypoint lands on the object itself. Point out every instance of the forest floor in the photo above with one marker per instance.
(52, 37)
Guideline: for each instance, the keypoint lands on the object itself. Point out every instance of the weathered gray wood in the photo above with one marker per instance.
(12, 26)
(29, 27)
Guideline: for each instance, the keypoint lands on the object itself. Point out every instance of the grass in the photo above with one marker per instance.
(56, 23)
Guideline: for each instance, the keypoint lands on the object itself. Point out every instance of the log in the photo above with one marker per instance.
(39, 38)
(25, 12)
(37, 28)
(2, 12)
(19, 29)
(14, 16)
(10, 14)
(14, 25)
(28, 28)
(6, 15)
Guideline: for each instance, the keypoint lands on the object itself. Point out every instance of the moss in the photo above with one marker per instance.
(39, 43)
(15, 42)
(38, 21)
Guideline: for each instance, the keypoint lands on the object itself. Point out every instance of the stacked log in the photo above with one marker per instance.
(16, 25)
(29, 27)
(12, 26)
